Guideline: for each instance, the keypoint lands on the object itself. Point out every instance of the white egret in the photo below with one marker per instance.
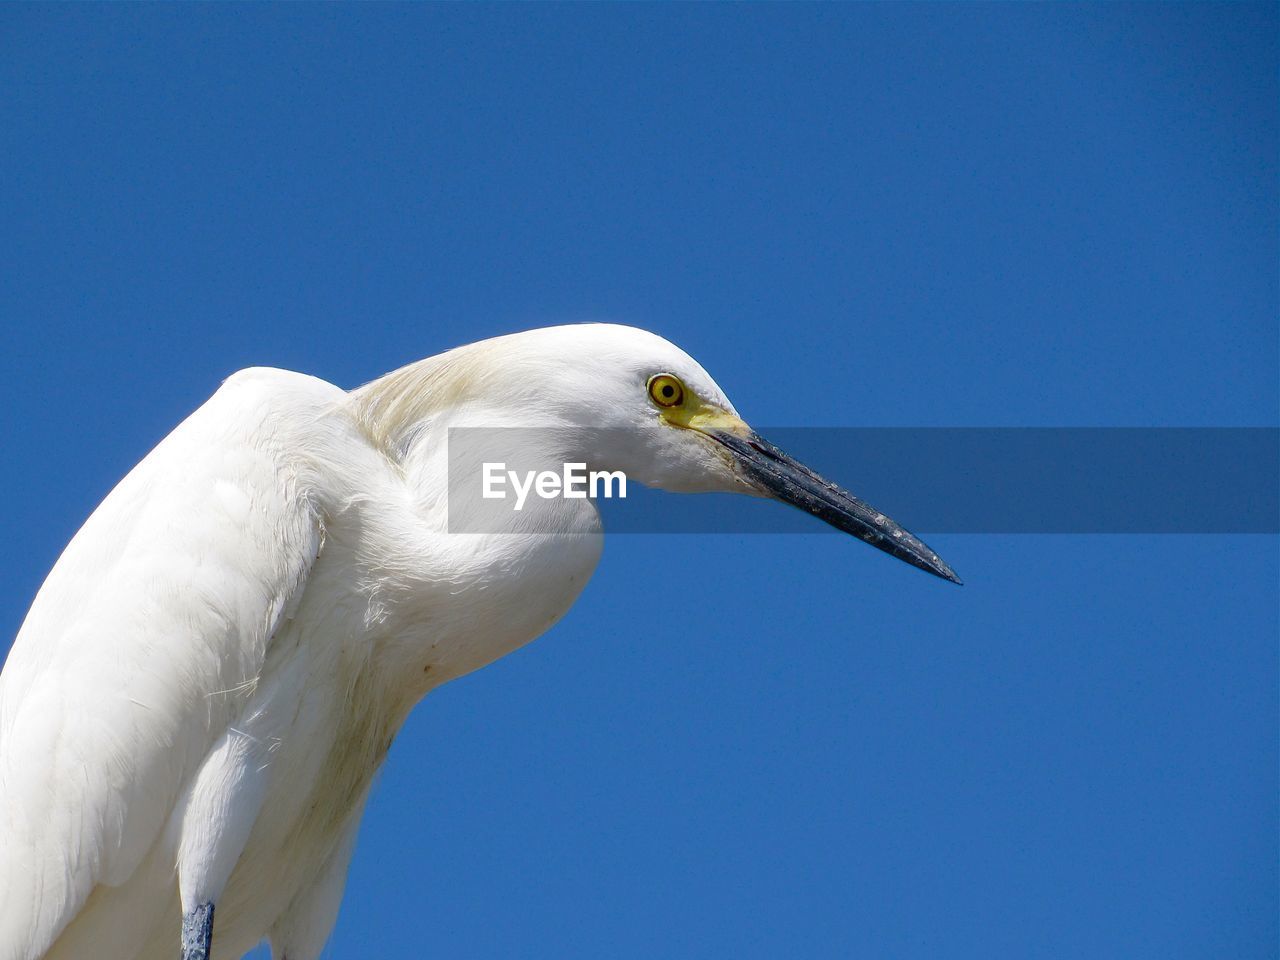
(212, 673)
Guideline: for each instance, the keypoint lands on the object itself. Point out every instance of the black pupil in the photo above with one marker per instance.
(668, 391)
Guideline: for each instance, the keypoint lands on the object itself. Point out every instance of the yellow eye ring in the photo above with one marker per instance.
(666, 390)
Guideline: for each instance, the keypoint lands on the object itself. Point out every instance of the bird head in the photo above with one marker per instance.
(620, 398)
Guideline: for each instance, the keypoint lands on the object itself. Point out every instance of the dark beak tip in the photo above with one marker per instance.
(936, 566)
(950, 575)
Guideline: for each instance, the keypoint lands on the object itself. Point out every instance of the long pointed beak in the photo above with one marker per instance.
(777, 475)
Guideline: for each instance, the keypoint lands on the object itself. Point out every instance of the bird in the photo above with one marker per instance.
(210, 676)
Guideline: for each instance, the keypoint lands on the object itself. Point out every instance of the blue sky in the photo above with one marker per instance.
(886, 215)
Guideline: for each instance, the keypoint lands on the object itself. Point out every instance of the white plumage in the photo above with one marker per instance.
(210, 676)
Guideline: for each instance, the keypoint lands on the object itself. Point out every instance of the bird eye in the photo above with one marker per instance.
(665, 390)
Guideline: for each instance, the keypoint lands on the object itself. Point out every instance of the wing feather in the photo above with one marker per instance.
(126, 669)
